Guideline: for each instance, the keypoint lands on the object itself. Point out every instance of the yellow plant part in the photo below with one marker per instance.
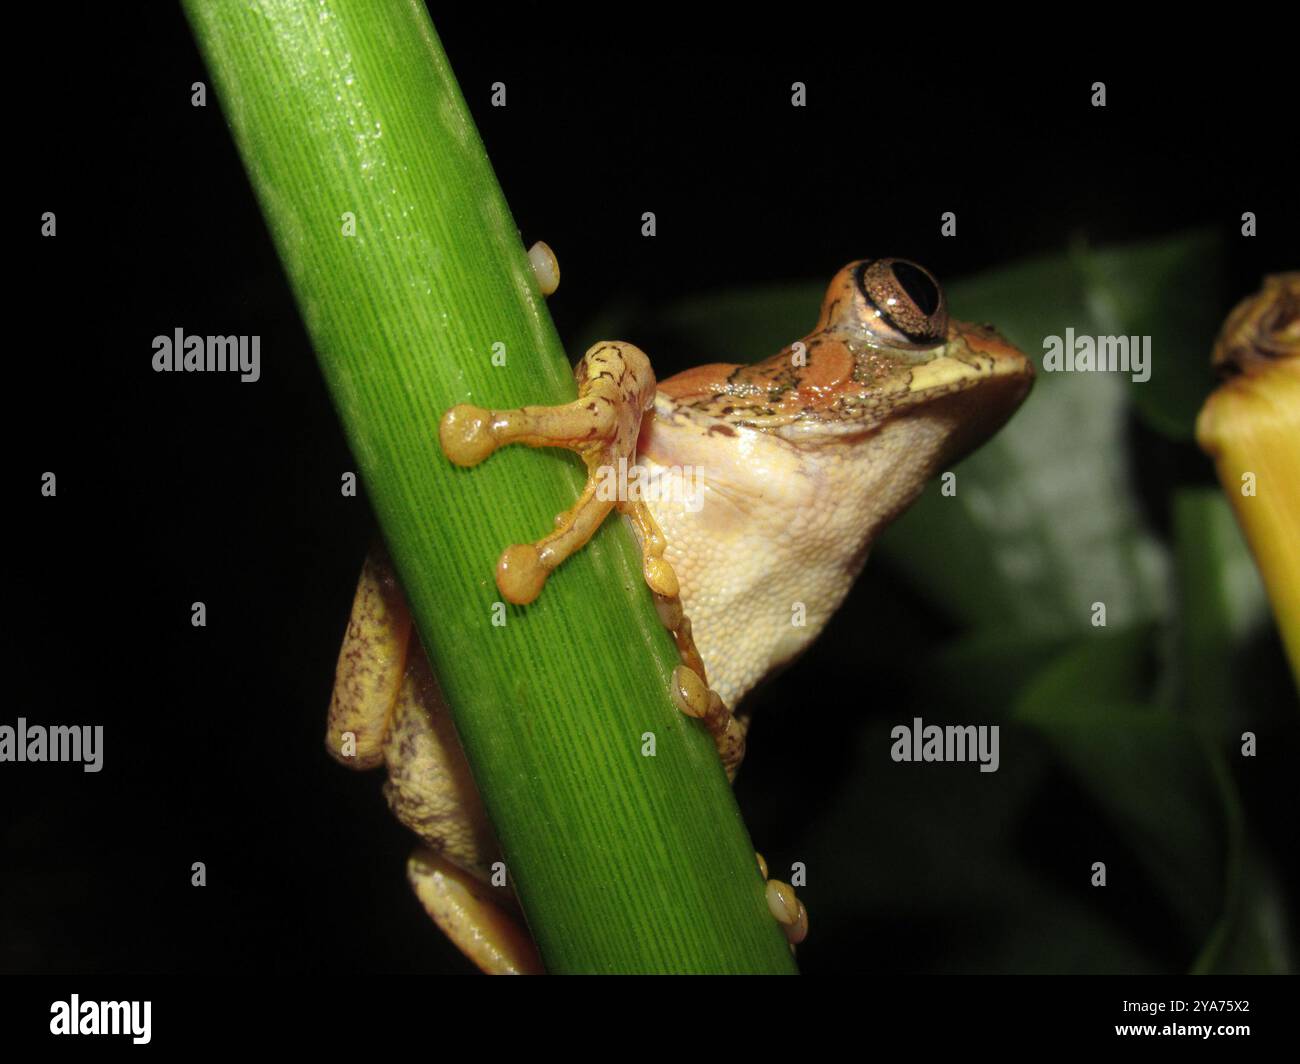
(1250, 426)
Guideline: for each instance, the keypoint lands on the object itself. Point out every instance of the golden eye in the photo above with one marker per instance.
(904, 303)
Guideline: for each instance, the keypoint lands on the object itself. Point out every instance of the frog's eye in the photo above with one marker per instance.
(905, 305)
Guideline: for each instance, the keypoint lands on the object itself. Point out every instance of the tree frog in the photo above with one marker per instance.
(794, 465)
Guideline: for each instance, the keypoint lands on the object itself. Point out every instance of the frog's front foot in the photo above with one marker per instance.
(616, 391)
(616, 386)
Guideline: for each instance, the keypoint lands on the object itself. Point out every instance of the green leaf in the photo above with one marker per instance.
(1146, 768)
(1224, 607)
(1172, 291)
(930, 870)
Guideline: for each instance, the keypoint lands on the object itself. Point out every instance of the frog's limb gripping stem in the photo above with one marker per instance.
(690, 683)
(616, 386)
(659, 575)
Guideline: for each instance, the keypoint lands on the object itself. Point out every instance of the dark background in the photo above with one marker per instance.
(174, 488)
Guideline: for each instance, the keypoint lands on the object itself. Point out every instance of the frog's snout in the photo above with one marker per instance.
(983, 340)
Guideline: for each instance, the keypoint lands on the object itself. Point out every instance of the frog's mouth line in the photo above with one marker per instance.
(993, 375)
(970, 370)
(980, 390)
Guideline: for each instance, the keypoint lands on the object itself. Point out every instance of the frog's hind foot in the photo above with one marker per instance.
(616, 386)
(465, 911)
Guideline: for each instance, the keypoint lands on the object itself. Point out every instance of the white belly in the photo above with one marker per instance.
(779, 533)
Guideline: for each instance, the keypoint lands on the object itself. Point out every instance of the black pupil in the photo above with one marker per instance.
(919, 285)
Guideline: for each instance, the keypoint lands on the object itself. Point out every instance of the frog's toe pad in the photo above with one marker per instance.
(660, 577)
(692, 696)
(788, 910)
(546, 267)
(521, 573)
(466, 434)
(689, 692)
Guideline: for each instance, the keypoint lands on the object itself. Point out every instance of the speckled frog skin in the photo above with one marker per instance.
(798, 462)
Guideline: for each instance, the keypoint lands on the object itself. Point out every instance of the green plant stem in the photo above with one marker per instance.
(622, 862)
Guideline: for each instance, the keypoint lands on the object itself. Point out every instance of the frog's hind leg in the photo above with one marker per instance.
(431, 791)
(372, 662)
(386, 709)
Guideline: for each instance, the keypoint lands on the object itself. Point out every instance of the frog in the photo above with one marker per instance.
(797, 463)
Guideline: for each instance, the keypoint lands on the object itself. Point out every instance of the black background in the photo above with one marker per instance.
(174, 488)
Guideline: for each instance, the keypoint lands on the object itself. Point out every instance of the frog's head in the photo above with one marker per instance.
(911, 359)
